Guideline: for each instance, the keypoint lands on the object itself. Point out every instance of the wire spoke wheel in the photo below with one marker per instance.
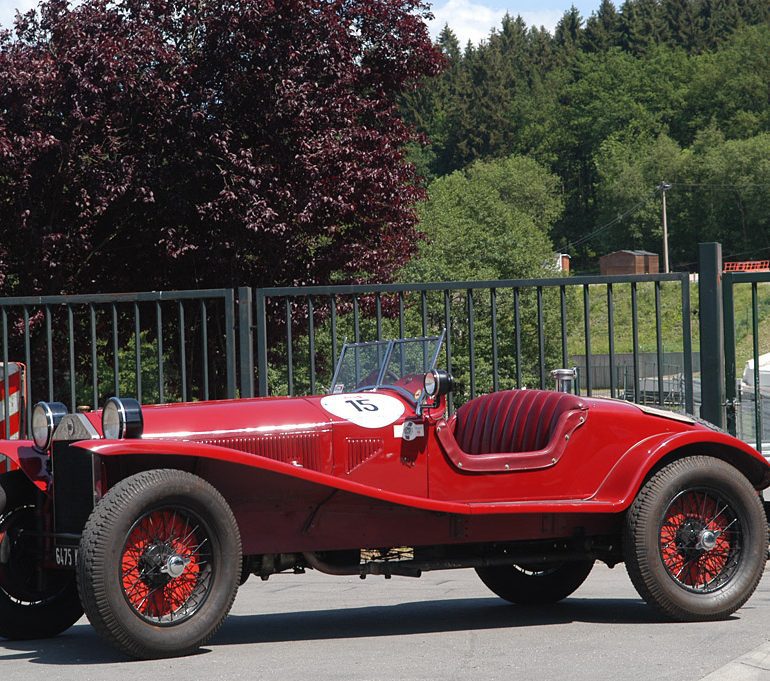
(167, 566)
(535, 583)
(159, 563)
(701, 539)
(695, 540)
(34, 602)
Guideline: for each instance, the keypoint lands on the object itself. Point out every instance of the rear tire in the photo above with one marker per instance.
(159, 564)
(695, 540)
(540, 584)
(26, 611)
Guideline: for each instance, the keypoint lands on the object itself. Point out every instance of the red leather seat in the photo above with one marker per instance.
(511, 420)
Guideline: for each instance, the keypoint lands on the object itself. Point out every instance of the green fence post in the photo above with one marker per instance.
(728, 306)
(261, 328)
(245, 341)
(711, 323)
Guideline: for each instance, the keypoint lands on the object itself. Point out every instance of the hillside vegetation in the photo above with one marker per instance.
(613, 105)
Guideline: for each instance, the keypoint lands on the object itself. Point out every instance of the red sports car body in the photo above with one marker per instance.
(149, 517)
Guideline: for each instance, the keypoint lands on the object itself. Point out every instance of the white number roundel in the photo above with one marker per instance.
(368, 410)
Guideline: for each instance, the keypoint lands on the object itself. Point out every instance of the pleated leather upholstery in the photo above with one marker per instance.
(511, 420)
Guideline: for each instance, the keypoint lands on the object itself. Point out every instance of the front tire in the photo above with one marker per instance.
(695, 540)
(28, 611)
(159, 564)
(540, 584)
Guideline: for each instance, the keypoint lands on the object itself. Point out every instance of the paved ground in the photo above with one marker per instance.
(444, 626)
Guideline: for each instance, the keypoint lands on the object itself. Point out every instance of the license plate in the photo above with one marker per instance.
(66, 556)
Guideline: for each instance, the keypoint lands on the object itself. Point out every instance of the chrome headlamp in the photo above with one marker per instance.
(437, 383)
(122, 418)
(46, 416)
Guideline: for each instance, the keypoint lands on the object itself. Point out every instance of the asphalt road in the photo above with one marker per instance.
(444, 626)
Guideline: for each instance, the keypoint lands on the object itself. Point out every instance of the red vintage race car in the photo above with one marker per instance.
(149, 518)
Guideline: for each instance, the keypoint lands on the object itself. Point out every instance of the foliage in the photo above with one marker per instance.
(645, 77)
(719, 192)
(207, 144)
(489, 221)
(127, 374)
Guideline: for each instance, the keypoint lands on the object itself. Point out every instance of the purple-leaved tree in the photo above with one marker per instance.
(178, 144)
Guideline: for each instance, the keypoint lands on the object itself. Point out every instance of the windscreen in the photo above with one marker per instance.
(378, 363)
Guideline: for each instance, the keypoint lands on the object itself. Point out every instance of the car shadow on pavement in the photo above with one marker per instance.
(81, 645)
(427, 617)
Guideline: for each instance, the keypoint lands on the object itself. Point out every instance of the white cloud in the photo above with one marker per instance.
(547, 18)
(8, 10)
(469, 21)
(474, 21)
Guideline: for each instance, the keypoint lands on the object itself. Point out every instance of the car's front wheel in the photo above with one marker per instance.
(159, 563)
(34, 602)
(695, 541)
(535, 584)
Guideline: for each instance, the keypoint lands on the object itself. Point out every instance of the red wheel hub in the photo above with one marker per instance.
(700, 538)
(165, 567)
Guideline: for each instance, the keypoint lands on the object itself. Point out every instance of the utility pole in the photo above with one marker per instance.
(663, 187)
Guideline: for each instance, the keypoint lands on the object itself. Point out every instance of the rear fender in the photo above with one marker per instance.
(633, 469)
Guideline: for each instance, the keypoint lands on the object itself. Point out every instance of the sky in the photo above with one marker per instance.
(474, 19)
(469, 19)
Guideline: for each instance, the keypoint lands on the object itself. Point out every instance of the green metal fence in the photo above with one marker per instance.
(159, 346)
(630, 337)
(747, 388)
(500, 334)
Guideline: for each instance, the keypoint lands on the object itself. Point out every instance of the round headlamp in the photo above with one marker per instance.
(46, 416)
(430, 383)
(437, 383)
(122, 418)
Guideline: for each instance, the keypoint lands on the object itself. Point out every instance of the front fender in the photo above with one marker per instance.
(33, 463)
(187, 448)
(630, 472)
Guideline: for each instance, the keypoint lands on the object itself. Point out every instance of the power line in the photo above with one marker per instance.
(612, 222)
(721, 186)
(622, 216)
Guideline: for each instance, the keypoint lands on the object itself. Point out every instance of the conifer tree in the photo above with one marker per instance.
(602, 29)
(683, 23)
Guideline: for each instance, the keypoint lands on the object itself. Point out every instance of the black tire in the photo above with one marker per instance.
(26, 611)
(695, 540)
(540, 584)
(159, 564)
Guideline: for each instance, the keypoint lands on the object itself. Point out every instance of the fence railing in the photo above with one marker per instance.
(189, 345)
(747, 387)
(500, 334)
(158, 346)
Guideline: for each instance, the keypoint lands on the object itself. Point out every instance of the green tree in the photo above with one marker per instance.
(641, 25)
(719, 192)
(602, 29)
(729, 86)
(568, 35)
(487, 222)
(683, 23)
(629, 168)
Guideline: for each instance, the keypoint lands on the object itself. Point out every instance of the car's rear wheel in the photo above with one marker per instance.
(535, 584)
(695, 541)
(159, 564)
(34, 603)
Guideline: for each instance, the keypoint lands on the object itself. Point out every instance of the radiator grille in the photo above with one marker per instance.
(362, 449)
(73, 488)
(295, 448)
